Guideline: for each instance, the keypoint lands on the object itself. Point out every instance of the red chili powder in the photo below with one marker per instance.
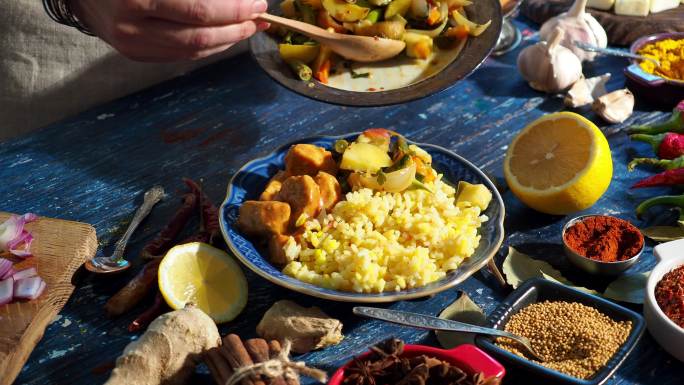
(669, 293)
(604, 239)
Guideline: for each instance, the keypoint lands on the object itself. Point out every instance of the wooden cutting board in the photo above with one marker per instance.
(621, 30)
(59, 248)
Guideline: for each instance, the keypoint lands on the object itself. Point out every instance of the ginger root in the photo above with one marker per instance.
(168, 351)
(306, 328)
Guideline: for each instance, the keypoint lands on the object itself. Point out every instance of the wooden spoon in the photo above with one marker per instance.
(352, 47)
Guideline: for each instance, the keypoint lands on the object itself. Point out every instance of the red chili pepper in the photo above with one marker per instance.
(209, 213)
(667, 146)
(158, 308)
(164, 240)
(665, 178)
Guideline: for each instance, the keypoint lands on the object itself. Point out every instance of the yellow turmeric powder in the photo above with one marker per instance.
(670, 54)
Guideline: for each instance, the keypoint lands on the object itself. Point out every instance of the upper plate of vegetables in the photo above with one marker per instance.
(445, 41)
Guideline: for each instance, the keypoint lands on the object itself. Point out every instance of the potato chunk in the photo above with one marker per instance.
(307, 159)
(263, 217)
(331, 192)
(273, 186)
(275, 249)
(303, 196)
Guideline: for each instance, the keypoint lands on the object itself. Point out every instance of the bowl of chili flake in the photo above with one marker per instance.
(664, 299)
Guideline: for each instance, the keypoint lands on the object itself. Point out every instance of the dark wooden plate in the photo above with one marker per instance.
(264, 48)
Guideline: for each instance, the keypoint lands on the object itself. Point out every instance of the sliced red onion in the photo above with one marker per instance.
(6, 290)
(9, 273)
(28, 288)
(13, 235)
(5, 266)
(26, 273)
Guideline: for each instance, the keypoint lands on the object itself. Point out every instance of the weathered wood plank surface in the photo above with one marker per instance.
(95, 166)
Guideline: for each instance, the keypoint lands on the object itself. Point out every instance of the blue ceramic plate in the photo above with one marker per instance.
(251, 179)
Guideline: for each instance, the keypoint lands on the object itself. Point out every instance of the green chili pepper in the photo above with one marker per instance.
(667, 164)
(300, 69)
(374, 15)
(670, 200)
(674, 124)
(418, 185)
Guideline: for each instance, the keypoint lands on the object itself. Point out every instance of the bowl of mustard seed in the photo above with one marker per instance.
(583, 338)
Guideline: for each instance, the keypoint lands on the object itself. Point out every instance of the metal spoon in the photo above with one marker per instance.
(117, 262)
(433, 323)
(352, 47)
(614, 52)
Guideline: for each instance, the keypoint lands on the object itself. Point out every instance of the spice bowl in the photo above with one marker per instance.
(539, 290)
(669, 335)
(595, 266)
(467, 357)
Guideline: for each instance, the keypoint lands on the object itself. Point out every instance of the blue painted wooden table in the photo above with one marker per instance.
(94, 167)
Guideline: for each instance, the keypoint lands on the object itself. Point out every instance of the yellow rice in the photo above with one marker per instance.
(377, 241)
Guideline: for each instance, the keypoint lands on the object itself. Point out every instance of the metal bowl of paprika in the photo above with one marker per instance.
(602, 244)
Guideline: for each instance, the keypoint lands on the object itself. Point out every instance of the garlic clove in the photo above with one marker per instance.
(577, 25)
(584, 91)
(549, 67)
(615, 107)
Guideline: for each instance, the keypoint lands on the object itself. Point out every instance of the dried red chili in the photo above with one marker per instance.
(604, 239)
(669, 293)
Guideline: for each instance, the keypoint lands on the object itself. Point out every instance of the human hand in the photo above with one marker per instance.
(170, 30)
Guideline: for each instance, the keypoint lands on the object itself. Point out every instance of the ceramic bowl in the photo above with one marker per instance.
(467, 357)
(654, 88)
(538, 290)
(264, 48)
(669, 335)
(591, 265)
(250, 180)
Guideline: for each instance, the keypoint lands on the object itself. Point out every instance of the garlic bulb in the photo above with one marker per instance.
(615, 107)
(577, 25)
(549, 67)
(584, 91)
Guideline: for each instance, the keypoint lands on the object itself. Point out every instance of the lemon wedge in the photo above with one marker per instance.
(206, 276)
(559, 164)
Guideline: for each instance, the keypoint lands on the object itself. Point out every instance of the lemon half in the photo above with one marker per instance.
(559, 164)
(206, 276)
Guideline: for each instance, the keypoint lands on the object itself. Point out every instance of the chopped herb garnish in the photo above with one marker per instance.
(356, 75)
(420, 177)
(381, 177)
(340, 145)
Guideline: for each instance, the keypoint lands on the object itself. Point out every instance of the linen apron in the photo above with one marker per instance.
(49, 71)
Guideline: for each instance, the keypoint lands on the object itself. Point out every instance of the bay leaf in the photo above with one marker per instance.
(628, 288)
(462, 310)
(519, 267)
(569, 284)
(664, 233)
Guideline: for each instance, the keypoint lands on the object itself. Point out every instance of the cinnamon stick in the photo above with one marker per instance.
(233, 350)
(274, 350)
(217, 365)
(258, 350)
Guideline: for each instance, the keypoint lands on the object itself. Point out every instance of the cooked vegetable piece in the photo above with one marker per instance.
(315, 4)
(374, 15)
(308, 159)
(264, 217)
(276, 252)
(388, 29)
(343, 11)
(330, 190)
(419, 9)
(376, 136)
(168, 351)
(379, 3)
(273, 186)
(308, 14)
(423, 170)
(419, 152)
(288, 8)
(305, 53)
(397, 7)
(478, 195)
(474, 29)
(364, 157)
(417, 45)
(300, 69)
(321, 66)
(453, 4)
(434, 16)
(325, 21)
(395, 181)
(303, 196)
(458, 32)
(433, 33)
